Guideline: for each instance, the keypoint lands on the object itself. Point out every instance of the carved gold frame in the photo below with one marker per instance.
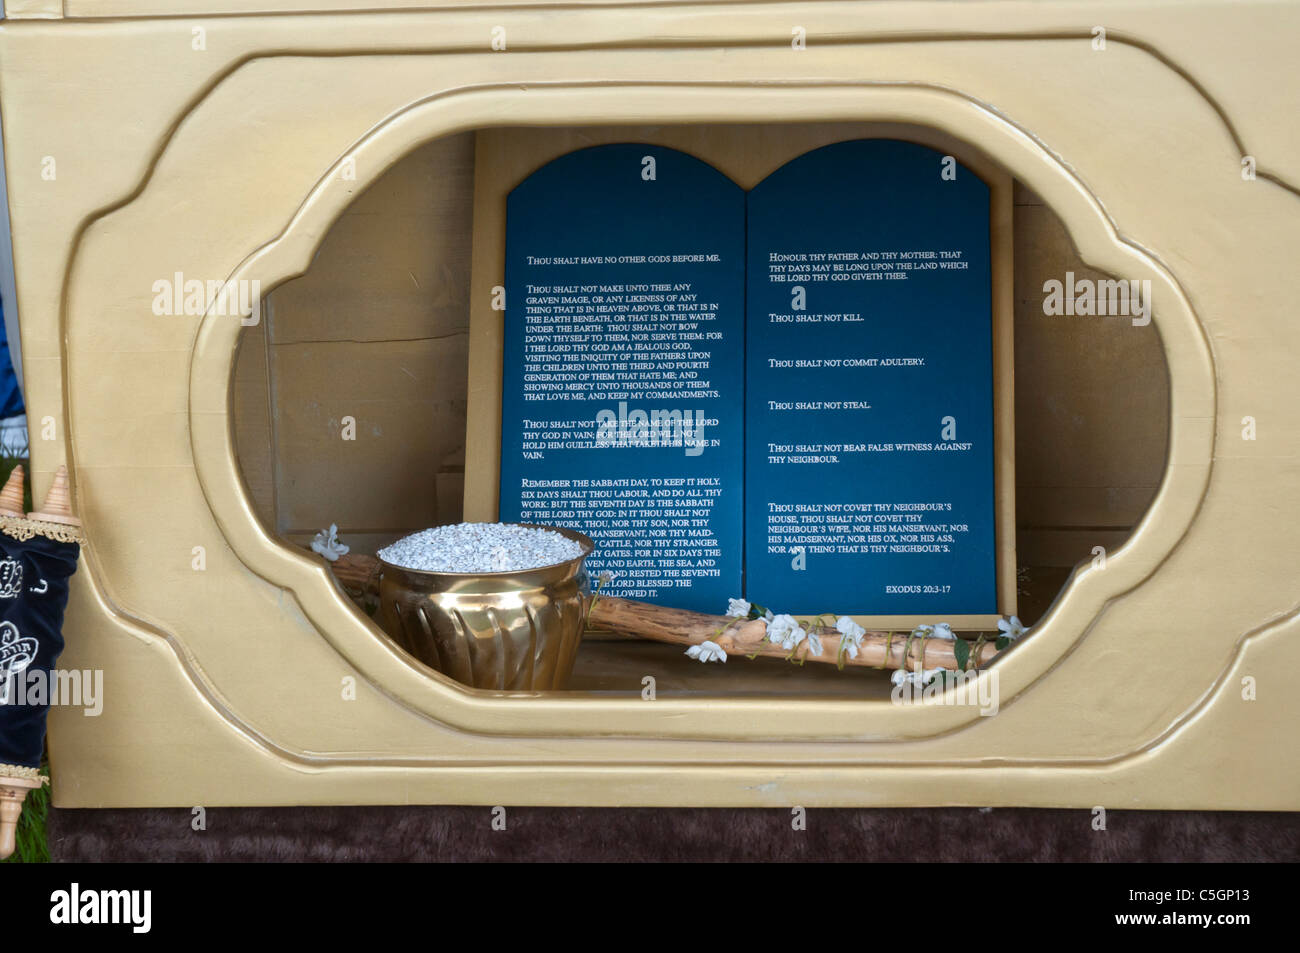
(225, 684)
(290, 254)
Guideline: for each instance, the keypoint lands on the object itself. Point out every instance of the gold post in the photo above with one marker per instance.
(11, 497)
(57, 507)
(13, 791)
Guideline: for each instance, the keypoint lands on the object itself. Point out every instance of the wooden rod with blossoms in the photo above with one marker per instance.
(755, 632)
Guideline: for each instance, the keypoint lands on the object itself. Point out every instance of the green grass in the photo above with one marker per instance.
(33, 846)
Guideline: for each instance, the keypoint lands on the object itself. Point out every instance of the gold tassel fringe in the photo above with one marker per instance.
(23, 529)
(18, 771)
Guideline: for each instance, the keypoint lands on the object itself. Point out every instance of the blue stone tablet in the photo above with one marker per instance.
(869, 404)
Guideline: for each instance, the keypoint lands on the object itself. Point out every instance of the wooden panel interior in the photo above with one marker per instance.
(1092, 408)
(376, 330)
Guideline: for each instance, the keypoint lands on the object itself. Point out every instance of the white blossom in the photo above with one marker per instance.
(784, 631)
(1012, 628)
(918, 679)
(814, 642)
(850, 635)
(327, 543)
(737, 608)
(707, 652)
(941, 630)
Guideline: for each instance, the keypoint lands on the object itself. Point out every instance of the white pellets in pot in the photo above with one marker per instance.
(481, 547)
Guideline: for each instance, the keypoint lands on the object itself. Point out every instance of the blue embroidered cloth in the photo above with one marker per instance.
(34, 576)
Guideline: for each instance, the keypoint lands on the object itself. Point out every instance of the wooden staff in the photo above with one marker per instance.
(746, 637)
(359, 573)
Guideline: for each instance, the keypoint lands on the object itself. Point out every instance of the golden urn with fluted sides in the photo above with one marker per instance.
(508, 631)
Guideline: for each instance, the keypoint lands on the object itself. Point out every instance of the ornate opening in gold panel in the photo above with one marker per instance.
(378, 329)
(372, 295)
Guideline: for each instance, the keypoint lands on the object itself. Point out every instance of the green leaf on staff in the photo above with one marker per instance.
(961, 649)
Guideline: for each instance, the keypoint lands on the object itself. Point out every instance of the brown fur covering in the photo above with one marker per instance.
(680, 834)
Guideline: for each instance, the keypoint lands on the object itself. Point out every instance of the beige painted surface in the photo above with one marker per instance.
(223, 687)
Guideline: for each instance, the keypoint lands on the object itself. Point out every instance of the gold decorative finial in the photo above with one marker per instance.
(57, 507)
(13, 791)
(11, 497)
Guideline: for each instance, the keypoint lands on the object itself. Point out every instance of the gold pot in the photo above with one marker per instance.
(509, 631)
